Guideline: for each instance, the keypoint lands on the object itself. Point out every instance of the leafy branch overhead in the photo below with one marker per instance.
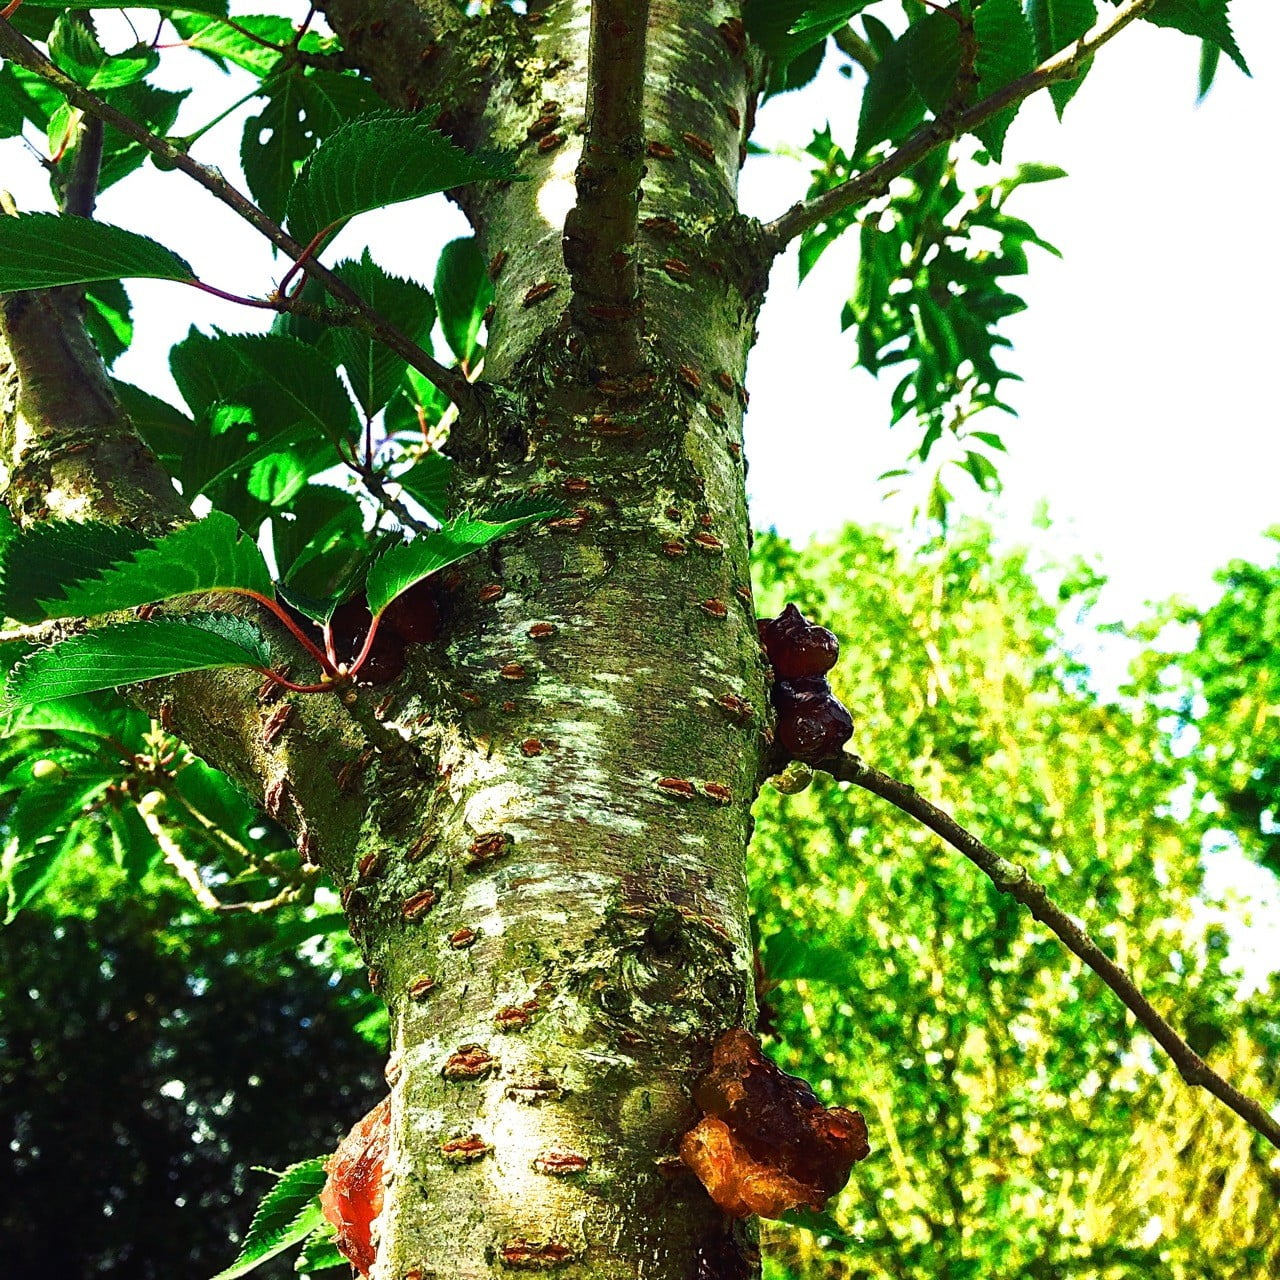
(93, 570)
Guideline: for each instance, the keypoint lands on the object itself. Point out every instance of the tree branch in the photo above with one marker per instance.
(1012, 878)
(451, 382)
(1066, 65)
(80, 192)
(151, 811)
(600, 230)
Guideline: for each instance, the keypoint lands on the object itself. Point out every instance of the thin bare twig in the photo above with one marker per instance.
(451, 382)
(600, 230)
(1067, 65)
(150, 810)
(1013, 878)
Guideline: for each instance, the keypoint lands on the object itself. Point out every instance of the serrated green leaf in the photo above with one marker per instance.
(281, 382)
(15, 104)
(381, 160)
(1204, 18)
(74, 48)
(286, 1215)
(427, 482)
(933, 58)
(135, 651)
(94, 715)
(399, 568)
(785, 29)
(320, 1254)
(39, 560)
(43, 250)
(109, 319)
(1056, 23)
(289, 383)
(303, 107)
(222, 43)
(195, 6)
(316, 547)
(1210, 55)
(207, 555)
(891, 106)
(373, 370)
(157, 109)
(463, 291)
(1005, 52)
(27, 864)
(62, 126)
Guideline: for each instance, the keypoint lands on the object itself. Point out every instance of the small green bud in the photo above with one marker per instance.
(793, 779)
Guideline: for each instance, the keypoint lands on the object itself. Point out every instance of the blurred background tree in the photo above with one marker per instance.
(1024, 1128)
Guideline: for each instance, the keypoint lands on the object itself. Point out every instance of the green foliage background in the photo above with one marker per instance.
(1020, 1126)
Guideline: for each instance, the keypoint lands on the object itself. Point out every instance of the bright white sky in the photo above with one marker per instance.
(1148, 417)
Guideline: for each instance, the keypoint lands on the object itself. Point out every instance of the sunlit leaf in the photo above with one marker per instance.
(399, 568)
(373, 370)
(207, 555)
(286, 1216)
(463, 291)
(135, 651)
(381, 160)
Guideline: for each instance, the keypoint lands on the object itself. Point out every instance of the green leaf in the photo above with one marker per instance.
(30, 858)
(381, 160)
(74, 48)
(196, 6)
(207, 555)
(43, 557)
(933, 58)
(1056, 23)
(42, 250)
(319, 1254)
(222, 43)
(109, 318)
(399, 568)
(315, 546)
(288, 383)
(373, 370)
(285, 1216)
(15, 104)
(785, 29)
(277, 383)
(302, 108)
(463, 291)
(155, 108)
(96, 715)
(1005, 51)
(135, 651)
(1204, 18)
(891, 106)
(427, 482)
(1209, 58)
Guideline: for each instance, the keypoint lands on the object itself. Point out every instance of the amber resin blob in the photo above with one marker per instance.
(765, 1143)
(352, 1195)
